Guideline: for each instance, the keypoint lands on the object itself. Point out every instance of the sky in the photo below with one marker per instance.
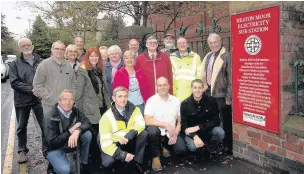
(19, 19)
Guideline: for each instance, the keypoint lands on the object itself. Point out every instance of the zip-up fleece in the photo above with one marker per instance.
(51, 79)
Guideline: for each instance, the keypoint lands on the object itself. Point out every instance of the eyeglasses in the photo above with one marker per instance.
(26, 46)
(150, 43)
(59, 49)
(72, 51)
(69, 100)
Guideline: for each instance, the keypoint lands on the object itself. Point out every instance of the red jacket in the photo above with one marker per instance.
(163, 68)
(121, 78)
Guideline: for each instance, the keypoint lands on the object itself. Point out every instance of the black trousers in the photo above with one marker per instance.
(226, 118)
(156, 141)
(136, 146)
(23, 114)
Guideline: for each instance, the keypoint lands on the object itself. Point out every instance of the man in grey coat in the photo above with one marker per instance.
(52, 76)
(216, 75)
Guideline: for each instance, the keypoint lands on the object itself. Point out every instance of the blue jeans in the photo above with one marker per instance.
(58, 157)
(216, 136)
(142, 108)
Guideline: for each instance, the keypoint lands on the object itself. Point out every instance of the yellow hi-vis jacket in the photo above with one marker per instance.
(184, 70)
(112, 128)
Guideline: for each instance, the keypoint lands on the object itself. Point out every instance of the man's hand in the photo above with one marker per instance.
(129, 157)
(228, 102)
(190, 130)
(75, 126)
(172, 140)
(123, 141)
(198, 142)
(73, 139)
(177, 130)
(170, 129)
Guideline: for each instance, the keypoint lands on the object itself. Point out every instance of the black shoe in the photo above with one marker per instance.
(50, 169)
(138, 168)
(84, 169)
(227, 151)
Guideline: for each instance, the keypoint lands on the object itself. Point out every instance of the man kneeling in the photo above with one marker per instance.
(64, 125)
(122, 134)
(200, 120)
(162, 115)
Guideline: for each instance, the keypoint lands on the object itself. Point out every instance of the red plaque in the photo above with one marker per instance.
(255, 68)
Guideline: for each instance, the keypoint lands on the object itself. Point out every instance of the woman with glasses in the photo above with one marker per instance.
(114, 64)
(71, 54)
(91, 95)
(134, 79)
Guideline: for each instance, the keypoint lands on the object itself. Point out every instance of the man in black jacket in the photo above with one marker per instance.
(200, 120)
(63, 126)
(21, 73)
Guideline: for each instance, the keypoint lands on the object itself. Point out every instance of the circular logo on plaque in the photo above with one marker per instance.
(253, 45)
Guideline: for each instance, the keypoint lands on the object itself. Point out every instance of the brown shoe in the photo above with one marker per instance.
(166, 152)
(22, 158)
(156, 165)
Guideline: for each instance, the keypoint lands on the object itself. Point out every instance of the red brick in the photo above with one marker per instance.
(295, 156)
(301, 141)
(272, 148)
(271, 140)
(263, 145)
(245, 139)
(240, 128)
(292, 147)
(271, 134)
(282, 151)
(292, 139)
(236, 136)
(254, 135)
(254, 142)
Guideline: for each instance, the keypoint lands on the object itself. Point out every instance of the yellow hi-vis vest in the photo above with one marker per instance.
(184, 70)
(112, 130)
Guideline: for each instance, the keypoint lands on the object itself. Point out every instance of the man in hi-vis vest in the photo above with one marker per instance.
(121, 130)
(185, 68)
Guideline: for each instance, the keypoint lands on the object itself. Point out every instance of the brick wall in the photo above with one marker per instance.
(281, 152)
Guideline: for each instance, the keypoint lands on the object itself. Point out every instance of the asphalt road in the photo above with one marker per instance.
(37, 164)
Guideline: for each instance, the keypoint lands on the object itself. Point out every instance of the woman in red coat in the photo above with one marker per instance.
(134, 79)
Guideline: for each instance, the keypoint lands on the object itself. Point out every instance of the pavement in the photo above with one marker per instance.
(37, 164)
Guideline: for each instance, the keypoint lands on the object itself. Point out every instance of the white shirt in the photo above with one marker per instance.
(150, 54)
(166, 111)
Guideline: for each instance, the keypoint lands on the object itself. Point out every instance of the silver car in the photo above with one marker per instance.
(4, 71)
(10, 59)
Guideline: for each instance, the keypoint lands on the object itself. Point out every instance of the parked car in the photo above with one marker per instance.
(4, 71)
(10, 58)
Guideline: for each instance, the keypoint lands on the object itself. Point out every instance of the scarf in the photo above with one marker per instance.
(114, 68)
(94, 74)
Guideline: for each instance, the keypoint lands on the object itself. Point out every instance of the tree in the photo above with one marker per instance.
(74, 17)
(141, 10)
(5, 34)
(110, 34)
(41, 37)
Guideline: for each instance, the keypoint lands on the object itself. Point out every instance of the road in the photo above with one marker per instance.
(37, 164)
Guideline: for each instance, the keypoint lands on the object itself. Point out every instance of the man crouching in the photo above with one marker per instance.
(122, 134)
(63, 126)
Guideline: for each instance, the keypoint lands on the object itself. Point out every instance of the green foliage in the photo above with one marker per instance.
(5, 34)
(109, 35)
(41, 38)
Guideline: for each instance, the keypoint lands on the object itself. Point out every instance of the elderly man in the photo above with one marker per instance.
(63, 126)
(53, 75)
(169, 43)
(122, 132)
(162, 115)
(21, 73)
(216, 75)
(155, 64)
(134, 46)
(78, 41)
(200, 120)
(185, 67)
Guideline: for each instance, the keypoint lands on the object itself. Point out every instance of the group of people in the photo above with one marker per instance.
(119, 103)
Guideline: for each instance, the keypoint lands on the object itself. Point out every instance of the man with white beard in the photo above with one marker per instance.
(169, 43)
